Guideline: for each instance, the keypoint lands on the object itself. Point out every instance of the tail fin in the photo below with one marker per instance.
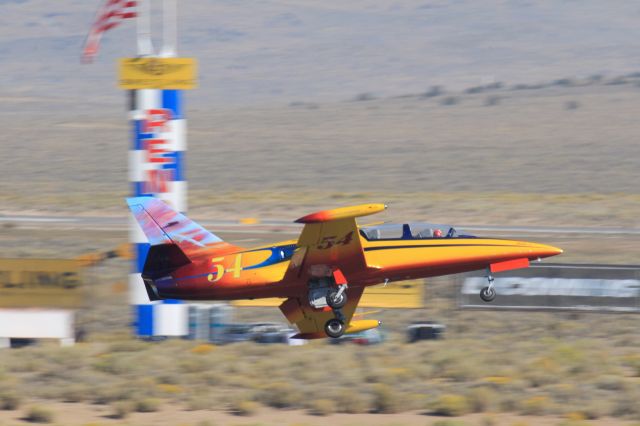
(163, 225)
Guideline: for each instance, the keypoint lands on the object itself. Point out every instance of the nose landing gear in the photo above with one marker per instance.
(337, 297)
(488, 293)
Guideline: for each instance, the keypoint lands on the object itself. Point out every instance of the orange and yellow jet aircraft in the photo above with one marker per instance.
(323, 274)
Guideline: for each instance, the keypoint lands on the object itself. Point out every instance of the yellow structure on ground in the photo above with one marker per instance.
(42, 283)
(403, 294)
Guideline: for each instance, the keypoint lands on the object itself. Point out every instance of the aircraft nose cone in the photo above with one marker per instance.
(543, 250)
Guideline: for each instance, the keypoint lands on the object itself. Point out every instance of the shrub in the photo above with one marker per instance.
(9, 400)
(492, 100)
(536, 405)
(245, 408)
(564, 82)
(280, 395)
(121, 409)
(193, 365)
(571, 105)
(474, 90)
(611, 383)
(627, 405)
(169, 388)
(363, 97)
(448, 423)
(128, 346)
(488, 421)
(576, 416)
(433, 92)
(480, 399)
(38, 414)
(352, 402)
(449, 100)
(573, 423)
(74, 393)
(147, 405)
(198, 402)
(202, 349)
(385, 399)
(322, 407)
(451, 405)
(106, 394)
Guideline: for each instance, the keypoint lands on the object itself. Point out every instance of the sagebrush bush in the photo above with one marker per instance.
(536, 406)
(449, 423)
(450, 405)
(37, 414)
(481, 399)
(352, 402)
(121, 409)
(129, 345)
(626, 406)
(198, 402)
(147, 405)
(281, 395)
(9, 400)
(322, 407)
(385, 399)
(245, 408)
(74, 393)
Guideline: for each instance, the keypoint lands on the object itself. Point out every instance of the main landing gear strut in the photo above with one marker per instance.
(488, 293)
(337, 299)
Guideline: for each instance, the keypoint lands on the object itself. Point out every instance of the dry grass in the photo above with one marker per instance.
(562, 372)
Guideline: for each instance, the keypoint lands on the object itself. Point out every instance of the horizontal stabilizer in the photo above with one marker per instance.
(342, 213)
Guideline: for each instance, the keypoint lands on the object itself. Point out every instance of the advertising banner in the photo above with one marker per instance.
(157, 73)
(40, 283)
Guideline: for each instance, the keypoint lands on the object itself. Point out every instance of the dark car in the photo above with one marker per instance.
(426, 330)
(237, 333)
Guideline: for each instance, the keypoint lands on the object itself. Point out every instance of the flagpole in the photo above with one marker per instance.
(169, 29)
(143, 24)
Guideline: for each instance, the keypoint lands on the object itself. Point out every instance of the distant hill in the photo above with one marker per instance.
(258, 52)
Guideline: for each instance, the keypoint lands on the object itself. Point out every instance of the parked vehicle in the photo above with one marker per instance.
(372, 336)
(256, 332)
(425, 330)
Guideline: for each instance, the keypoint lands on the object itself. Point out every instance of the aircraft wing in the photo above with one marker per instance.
(330, 241)
(328, 245)
(311, 321)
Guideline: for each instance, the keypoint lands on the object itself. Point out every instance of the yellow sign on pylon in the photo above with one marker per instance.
(404, 294)
(40, 283)
(157, 73)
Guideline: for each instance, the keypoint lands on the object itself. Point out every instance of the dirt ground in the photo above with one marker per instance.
(84, 414)
(526, 159)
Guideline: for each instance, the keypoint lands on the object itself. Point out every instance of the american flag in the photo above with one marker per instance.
(110, 14)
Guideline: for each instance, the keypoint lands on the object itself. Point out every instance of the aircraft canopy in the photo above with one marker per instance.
(411, 231)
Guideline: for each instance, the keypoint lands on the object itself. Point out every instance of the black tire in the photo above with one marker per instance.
(334, 302)
(334, 328)
(487, 294)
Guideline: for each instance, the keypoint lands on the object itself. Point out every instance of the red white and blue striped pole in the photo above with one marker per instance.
(156, 158)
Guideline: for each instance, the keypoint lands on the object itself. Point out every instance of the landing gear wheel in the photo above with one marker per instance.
(487, 294)
(336, 299)
(334, 328)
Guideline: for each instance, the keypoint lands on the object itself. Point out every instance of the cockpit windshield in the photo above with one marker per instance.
(411, 231)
